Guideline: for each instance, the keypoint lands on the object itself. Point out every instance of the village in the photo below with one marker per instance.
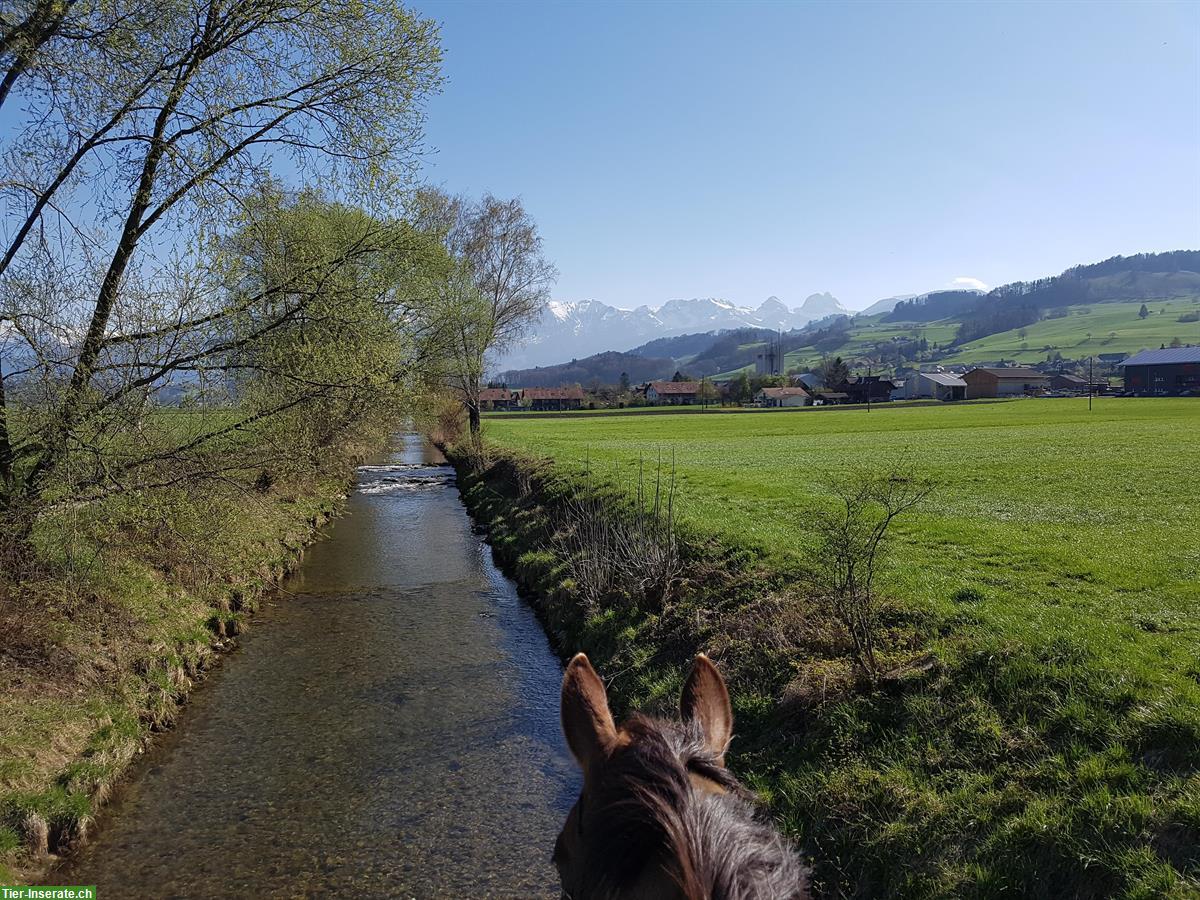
(1167, 372)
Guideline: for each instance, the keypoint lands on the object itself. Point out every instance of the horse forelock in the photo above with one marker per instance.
(647, 816)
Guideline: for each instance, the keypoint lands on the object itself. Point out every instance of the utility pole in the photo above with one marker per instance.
(1091, 380)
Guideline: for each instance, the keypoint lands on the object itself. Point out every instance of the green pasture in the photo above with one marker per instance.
(1089, 331)
(1053, 749)
(1066, 522)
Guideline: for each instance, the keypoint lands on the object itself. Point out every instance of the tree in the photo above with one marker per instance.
(834, 371)
(500, 286)
(624, 383)
(1143, 312)
(1176, 342)
(707, 392)
(158, 125)
(739, 388)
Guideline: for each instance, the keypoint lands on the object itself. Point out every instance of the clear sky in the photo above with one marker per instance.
(740, 150)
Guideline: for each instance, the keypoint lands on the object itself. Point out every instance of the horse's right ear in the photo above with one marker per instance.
(586, 721)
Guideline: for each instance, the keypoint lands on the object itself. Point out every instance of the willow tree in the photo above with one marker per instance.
(147, 135)
(499, 288)
(330, 330)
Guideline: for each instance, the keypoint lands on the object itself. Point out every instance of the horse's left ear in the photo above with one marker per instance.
(586, 721)
(705, 701)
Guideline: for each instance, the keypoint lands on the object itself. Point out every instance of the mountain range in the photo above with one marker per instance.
(1030, 320)
(576, 329)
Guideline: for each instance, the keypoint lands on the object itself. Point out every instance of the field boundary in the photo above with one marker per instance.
(732, 410)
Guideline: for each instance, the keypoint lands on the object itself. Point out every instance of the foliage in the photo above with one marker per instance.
(834, 371)
(497, 287)
(155, 127)
(740, 390)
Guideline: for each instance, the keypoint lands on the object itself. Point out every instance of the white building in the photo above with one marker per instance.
(783, 396)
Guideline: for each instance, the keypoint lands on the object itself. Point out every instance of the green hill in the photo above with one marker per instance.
(1075, 332)
(1089, 330)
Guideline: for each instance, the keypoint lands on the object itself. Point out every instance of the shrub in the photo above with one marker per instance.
(852, 542)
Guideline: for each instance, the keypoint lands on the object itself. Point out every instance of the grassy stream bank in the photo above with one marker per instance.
(100, 644)
(984, 767)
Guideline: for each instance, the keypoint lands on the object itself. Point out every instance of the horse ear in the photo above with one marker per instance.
(586, 721)
(705, 701)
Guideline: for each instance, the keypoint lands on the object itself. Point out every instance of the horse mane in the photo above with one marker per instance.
(714, 845)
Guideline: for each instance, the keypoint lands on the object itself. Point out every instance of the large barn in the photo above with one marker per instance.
(1014, 381)
(1164, 373)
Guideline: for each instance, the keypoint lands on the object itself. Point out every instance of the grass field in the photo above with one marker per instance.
(1057, 569)
(1067, 522)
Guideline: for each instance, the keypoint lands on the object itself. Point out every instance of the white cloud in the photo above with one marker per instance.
(964, 283)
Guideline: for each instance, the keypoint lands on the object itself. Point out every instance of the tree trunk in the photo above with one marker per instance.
(131, 234)
(6, 452)
(473, 418)
(26, 38)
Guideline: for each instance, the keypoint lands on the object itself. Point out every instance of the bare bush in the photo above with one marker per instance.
(853, 541)
(611, 551)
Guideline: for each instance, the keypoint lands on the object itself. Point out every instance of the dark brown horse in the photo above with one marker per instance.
(659, 815)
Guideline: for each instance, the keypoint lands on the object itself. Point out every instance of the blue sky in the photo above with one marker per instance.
(746, 149)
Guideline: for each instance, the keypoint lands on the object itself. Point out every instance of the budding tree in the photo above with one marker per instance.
(499, 289)
(150, 130)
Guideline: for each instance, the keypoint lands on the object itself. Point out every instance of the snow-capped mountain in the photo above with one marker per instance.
(570, 330)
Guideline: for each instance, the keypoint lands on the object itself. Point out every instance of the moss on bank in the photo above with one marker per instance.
(132, 600)
(985, 769)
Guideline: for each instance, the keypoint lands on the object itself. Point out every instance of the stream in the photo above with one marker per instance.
(389, 727)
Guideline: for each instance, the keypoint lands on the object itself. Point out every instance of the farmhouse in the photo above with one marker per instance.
(672, 393)
(936, 386)
(783, 396)
(1174, 371)
(552, 399)
(498, 399)
(866, 389)
(1004, 382)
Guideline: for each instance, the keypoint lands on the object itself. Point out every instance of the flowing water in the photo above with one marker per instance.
(388, 729)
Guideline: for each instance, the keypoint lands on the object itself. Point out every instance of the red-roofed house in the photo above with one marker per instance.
(672, 393)
(497, 399)
(552, 399)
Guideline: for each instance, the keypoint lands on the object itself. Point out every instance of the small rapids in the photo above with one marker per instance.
(403, 477)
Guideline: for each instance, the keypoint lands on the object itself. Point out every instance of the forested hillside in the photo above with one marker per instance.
(603, 368)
